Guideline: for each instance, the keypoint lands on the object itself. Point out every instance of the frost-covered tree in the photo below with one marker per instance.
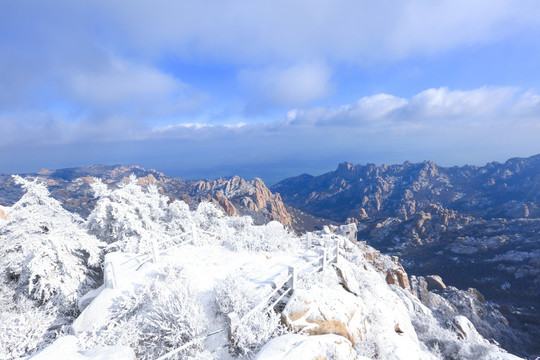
(236, 294)
(25, 327)
(131, 219)
(127, 218)
(243, 235)
(45, 252)
(158, 317)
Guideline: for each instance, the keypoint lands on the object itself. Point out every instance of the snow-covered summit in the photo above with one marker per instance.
(182, 284)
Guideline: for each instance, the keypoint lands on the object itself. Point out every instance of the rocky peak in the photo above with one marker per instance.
(344, 169)
(237, 196)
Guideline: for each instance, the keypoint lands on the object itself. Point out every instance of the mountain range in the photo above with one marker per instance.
(477, 227)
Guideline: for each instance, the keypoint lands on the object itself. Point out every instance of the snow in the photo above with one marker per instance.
(65, 348)
(302, 347)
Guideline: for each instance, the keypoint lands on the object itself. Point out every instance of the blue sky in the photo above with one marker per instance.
(268, 89)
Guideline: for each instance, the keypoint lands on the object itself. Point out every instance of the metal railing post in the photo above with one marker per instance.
(292, 278)
(337, 251)
(308, 241)
(111, 276)
(324, 259)
(234, 321)
(155, 251)
(195, 234)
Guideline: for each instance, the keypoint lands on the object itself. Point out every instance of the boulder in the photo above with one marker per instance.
(347, 277)
(318, 311)
(435, 282)
(398, 276)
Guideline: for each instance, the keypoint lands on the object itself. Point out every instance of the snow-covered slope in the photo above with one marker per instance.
(199, 285)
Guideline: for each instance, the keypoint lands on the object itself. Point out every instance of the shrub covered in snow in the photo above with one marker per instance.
(24, 327)
(236, 294)
(156, 319)
(243, 235)
(44, 250)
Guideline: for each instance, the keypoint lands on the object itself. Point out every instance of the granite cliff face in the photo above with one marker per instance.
(235, 196)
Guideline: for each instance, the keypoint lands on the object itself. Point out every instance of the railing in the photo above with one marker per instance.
(289, 284)
(328, 254)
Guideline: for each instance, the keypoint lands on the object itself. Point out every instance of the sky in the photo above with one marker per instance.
(202, 89)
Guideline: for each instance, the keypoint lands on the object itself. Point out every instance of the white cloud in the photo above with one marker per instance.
(378, 128)
(528, 104)
(122, 82)
(445, 103)
(430, 110)
(429, 106)
(288, 86)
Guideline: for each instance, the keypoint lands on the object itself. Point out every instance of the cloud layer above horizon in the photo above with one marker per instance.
(274, 89)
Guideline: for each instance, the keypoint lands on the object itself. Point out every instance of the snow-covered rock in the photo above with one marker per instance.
(466, 330)
(302, 347)
(320, 310)
(98, 313)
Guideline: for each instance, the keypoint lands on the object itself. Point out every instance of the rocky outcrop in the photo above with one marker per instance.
(221, 201)
(473, 318)
(316, 312)
(435, 282)
(236, 196)
(465, 330)
(349, 231)
(393, 271)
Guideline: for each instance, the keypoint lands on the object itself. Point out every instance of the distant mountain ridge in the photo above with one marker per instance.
(235, 196)
(510, 190)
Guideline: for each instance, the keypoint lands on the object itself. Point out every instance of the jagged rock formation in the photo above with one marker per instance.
(510, 190)
(471, 305)
(235, 196)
